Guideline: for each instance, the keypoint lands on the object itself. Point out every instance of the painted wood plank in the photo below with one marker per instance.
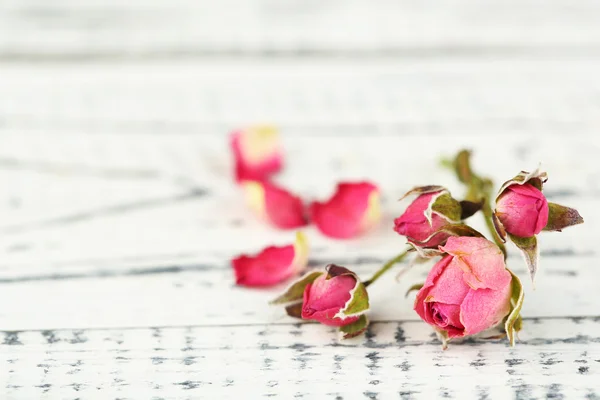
(394, 360)
(176, 294)
(97, 29)
(488, 96)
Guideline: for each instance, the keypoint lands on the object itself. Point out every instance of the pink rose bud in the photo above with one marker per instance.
(522, 210)
(257, 153)
(275, 204)
(336, 298)
(468, 290)
(273, 264)
(423, 218)
(353, 209)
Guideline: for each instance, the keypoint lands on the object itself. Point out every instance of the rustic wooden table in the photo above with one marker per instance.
(118, 215)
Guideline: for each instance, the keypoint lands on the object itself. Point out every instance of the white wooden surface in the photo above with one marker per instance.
(118, 216)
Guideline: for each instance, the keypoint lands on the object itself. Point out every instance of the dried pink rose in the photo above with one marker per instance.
(334, 297)
(275, 204)
(522, 210)
(468, 290)
(433, 209)
(257, 153)
(327, 296)
(353, 209)
(272, 265)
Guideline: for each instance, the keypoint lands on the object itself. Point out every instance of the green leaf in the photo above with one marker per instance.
(529, 248)
(513, 321)
(296, 290)
(355, 328)
(560, 217)
(416, 286)
(448, 207)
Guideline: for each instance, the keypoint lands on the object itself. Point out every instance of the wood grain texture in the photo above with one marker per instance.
(118, 214)
(165, 29)
(393, 360)
(490, 96)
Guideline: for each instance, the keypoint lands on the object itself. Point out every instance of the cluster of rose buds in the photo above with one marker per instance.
(469, 290)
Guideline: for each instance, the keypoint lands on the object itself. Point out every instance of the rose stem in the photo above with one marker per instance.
(388, 265)
(477, 188)
(487, 215)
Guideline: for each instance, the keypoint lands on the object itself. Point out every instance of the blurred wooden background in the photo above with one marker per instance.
(118, 214)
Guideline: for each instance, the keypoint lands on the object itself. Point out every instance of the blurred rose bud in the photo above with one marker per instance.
(273, 264)
(257, 153)
(275, 204)
(353, 209)
(335, 297)
(433, 209)
(468, 290)
(522, 210)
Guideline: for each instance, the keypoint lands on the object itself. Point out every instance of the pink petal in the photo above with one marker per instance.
(284, 210)
(280, 207)
(484, 308)
(447, 317)
(450, 287)
(272, 265)
(481, 261)
(423, 294)
(257, 153)
(352, 210)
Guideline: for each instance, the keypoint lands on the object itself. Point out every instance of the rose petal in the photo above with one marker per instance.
(450, 314)
(450, 287)
(353, 209)
(484, 308)
(280, 207)
(482, 262)
(272, 265)
(420, 305)
(257, 153)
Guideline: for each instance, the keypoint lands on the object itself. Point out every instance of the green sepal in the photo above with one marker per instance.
(469, 208)
(462, 166)
(416, 286)
(294, 310)
(295, 291)
(530, 250)
(536, 178)
(514, 321)
(561, 217)
(447, 207)
(354, 329)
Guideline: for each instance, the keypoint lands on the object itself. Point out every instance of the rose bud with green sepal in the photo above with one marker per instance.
(522, 212)
(334, 297)
(433, 217)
